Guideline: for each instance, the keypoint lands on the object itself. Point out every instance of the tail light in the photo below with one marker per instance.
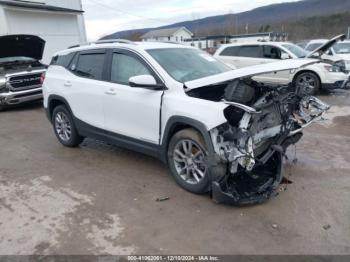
(42, 78)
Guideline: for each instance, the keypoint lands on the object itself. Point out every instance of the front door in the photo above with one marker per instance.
(129, 111)
(273, 54)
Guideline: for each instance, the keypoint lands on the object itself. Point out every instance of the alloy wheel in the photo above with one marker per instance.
(189, 162)
(307, 83)
(63, 126)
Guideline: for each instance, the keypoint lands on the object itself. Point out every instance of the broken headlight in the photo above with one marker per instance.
(3, 87)
(333, 68)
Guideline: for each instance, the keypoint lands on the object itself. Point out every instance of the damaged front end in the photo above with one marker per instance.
(262, 122)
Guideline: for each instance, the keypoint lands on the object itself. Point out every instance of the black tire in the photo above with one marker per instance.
(308, 82)
(74, 139)
(191, 185)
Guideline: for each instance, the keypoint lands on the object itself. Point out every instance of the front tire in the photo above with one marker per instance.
(64, 127)
(187, 153)
(308, 83)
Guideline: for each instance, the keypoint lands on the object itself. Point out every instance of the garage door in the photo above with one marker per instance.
(58, 30)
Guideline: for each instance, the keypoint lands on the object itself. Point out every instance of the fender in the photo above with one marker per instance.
(49, 109)
(176, 121)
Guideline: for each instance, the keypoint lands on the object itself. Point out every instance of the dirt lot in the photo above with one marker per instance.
(102, 199)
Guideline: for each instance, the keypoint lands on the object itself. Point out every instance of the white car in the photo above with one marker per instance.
(216, 129)
(340, 52)
(317, 76)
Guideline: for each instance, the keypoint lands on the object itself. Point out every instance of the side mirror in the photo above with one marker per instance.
(145, 81)
(285, 56)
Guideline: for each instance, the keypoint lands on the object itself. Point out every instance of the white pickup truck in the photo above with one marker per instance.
(21, 72)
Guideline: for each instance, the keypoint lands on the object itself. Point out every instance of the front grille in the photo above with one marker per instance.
(24, 82)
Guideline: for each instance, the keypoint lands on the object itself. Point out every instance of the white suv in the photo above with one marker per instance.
(217, 129)
(326, 74)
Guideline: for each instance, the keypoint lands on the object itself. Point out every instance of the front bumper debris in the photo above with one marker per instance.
(253, 176)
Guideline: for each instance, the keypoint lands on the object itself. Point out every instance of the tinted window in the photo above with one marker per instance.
(272, 52)
(125, 66)
(230, 51)
(62, 60)
(250, 51)
(90, 66)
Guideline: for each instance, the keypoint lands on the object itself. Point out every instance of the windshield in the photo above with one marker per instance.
(16, 59)
(296, 50)
(186, 64)
(314, 46)
(342, 48)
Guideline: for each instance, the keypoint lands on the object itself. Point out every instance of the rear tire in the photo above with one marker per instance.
(187, 154)
(308, 82)
(64, 127)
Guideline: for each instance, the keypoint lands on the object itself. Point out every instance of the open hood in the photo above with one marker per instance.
(326, 46)
(22, 45)
(249, 72)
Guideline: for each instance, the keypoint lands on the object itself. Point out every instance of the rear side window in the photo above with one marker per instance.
(251, 51)
(230, 51)
(125, 66)
(90, 65)
(62, 60)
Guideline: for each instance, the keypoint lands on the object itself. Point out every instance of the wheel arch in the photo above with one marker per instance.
(53, 102)
(307, 71)
(178, 123)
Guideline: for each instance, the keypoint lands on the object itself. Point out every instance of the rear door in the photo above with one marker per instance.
(84, 88)
(129, 111)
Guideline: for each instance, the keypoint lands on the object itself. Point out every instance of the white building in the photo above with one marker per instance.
(59, 22)
(175, 34)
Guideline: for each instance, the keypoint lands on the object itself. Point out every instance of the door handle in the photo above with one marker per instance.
(110, 92)
(68, 84)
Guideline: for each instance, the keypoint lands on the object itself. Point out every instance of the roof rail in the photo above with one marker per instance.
(108, 41)
(170, 42)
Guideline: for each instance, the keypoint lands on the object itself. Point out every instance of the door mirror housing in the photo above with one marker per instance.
(145, 81)
(285, 56)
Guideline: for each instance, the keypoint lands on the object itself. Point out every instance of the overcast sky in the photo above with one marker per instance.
(103, 17)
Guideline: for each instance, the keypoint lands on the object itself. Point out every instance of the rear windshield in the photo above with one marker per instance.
(186, 64)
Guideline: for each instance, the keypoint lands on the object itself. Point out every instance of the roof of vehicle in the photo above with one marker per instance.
(314, 41)
(124, 44)
(256, 43)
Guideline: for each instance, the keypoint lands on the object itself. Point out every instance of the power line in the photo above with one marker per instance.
(119, 11)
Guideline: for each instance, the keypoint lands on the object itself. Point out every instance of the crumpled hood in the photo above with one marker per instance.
(249, 72)
(326, 46)
(22, 45)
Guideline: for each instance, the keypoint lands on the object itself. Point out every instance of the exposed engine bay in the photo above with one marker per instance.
(262, 122)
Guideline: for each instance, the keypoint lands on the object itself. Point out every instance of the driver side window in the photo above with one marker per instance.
(124, 67)
(272, 52)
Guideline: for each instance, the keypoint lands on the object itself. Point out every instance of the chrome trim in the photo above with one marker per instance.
(245, 108)
(10, 98)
